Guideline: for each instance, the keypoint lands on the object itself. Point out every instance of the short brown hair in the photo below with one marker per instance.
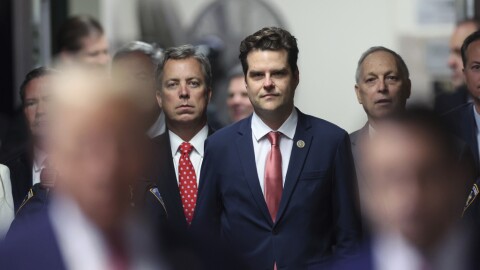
(270, 38)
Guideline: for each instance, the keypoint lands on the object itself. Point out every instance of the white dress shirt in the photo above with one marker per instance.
(477, 121)
(39, 159)
(80, 242)
(393, 252)
(6, 201)
(158, 128)
(262, 146)
(83, 246)
(196, 156)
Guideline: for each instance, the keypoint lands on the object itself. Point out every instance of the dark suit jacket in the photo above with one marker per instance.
(20, 165)
(355, 138)
(445, 102)
(462, 123)
(37, 241)
(362, 259)
(317, 213)
(163, 174)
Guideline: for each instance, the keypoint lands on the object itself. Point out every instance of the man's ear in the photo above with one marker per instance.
(296, 75)
(209, 95)
(408, 89)
(357, 92)
(65, 57)
(158, 95)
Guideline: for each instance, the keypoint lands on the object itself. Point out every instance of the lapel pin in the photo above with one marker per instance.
(300, 144)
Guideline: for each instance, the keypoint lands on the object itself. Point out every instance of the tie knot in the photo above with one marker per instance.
(186, 148)
(273, 137)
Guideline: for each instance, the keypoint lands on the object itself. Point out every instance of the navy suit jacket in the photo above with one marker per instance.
(32, 245)
(462, 123)
(20, 164)
(317, 214)
(163, 174)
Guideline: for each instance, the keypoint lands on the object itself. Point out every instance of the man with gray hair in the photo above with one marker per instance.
(382, 86)
(133, 67)
(184, 90)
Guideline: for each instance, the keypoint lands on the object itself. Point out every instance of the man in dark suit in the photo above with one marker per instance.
(27, 163)
(279, 186)
(417, 193)
(382, 88)
(464, 120)
(448, 100)
(184, 77)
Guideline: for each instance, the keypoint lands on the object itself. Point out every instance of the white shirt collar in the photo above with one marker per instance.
(400, 254)
(76, 235)
(198, 141)
(39, 159)
(477, 117)
(158, 128)
(288, 128)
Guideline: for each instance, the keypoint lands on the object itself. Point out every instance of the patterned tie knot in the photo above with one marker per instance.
(273, 137)
(186, 148)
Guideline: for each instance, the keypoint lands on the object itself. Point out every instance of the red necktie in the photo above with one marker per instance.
(187, 181)
(273, 175)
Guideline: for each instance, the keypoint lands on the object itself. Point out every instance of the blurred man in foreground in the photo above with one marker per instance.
(98, 154)
(239, 105)
(447, 101)
(133, 67)
(418, 190)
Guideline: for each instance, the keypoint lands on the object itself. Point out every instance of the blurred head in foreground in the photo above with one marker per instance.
(99, 145)
(418, 184)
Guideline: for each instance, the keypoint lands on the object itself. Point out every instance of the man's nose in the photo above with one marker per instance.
(382, 86)
(184, 92)
(40, 108)
(268, 83)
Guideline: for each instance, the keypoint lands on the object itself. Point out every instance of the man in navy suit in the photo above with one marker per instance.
(279, 186)
(416, 178)
(465, 120)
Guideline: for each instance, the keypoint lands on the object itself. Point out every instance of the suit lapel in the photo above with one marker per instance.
(169, 183)
(247, 158)
(472, 132)
(469, 128)
(297, 159)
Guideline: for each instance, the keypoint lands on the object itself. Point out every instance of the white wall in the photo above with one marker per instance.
(331, 35)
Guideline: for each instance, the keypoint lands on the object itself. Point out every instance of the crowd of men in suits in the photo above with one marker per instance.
(124, 171)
